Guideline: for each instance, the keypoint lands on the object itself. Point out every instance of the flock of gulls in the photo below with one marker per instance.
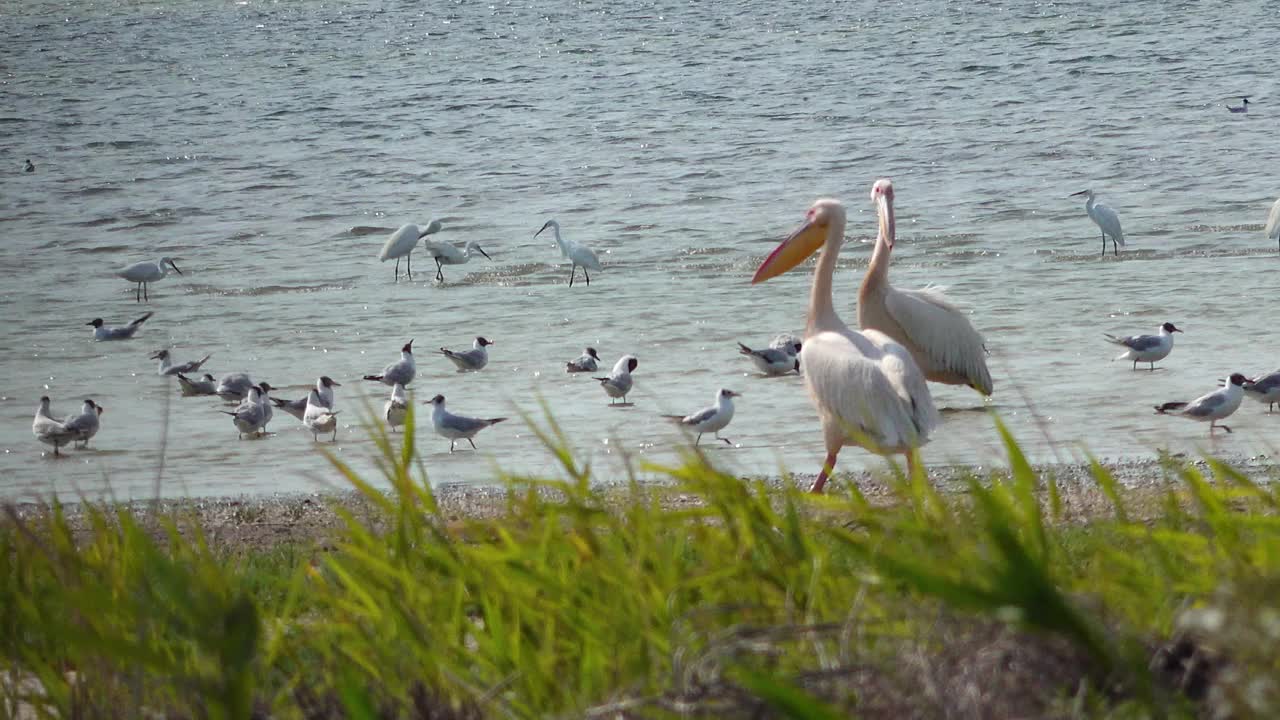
(869, 385)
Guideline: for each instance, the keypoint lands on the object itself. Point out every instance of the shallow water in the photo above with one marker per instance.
(270, 147)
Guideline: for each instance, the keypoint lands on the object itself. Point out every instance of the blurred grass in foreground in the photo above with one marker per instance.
(619, 602)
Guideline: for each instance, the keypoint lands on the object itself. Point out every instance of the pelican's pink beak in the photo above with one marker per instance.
(794, 250)
(882, 195)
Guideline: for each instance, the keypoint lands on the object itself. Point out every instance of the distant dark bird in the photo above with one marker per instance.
(1243, 107)
(30, 167)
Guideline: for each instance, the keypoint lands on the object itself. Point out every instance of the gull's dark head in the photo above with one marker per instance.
(327, 381)
(265, 387)
(408, 347)
(592, 352)
(483, 342)
(96, 322)
(438, 401)
(632, 364)
(1237, 379)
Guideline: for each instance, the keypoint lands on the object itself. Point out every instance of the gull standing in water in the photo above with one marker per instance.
(102, 332)
(711, 419)
(867, 388)
(580, 255)
(619, 382)
(298, 408)
(1106, 219)
(397, 407)
(401, 371)
(50, 431)
(1272, 230)
(446, 254)
(1243, 107)
(402, 242)
(588, 361)
(1145, 348)
(264, 399)
(456, 427)
(234, 386)
(1265, 389)
(468, 360)
(320, 418)
(1213, 406)
(250, 417)
(774, 361)
(172, 369)
(85, 425)
(940, 338)
(206, 385)
(146, 272)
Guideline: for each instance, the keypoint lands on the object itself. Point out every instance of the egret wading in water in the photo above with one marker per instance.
(1272, 229)
(403, 241)
(580, 255)
(146, 272)
(446, 254)
(867, 389)
(939, 337)
(1243, 107)
(1106, 219)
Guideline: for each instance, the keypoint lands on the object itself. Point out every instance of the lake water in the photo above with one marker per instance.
(271, 147)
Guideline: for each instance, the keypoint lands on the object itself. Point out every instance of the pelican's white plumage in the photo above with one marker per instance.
(446, 254)
(403, 241)
(867, 389)
(146, 272)
(1106, 219)
(937, 334)
(1273, 223)
(580, 255)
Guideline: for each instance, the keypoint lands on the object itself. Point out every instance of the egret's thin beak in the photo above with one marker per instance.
(1082, 192)
(175, 267)
(157, 356)
(482, 252)
(544, 227)
(794, 250)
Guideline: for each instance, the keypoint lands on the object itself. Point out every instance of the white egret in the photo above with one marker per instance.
(446, 254)
(1213, 406)
(102, 332)
(401, 371)
(168, 368)
(867, 389)
(457, 427)
(146, 272)
(48, 430)
(403, 241)
(619, 382)
(1106, 219)
(1272, 229)
(711, 419)
(1243, 107)
(1145, 348)
(940, 338)
(580, 255)
(469, 360)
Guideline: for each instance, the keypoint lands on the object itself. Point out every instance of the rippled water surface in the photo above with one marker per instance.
(270, 147)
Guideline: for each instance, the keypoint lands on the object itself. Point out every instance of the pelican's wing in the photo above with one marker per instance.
(942, 333)
(845, 379)
(905, 376)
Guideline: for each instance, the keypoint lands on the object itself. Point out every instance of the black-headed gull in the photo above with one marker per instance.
(457, 427)
(1213, 406)
(710, 419)
(1145, 348)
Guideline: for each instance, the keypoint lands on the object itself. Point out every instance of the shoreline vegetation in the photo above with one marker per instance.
(1144, 589)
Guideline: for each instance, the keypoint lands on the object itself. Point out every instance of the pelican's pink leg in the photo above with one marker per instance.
(827, 467)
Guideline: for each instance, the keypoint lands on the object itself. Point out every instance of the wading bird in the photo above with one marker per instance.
(867, 389)
(470, 360)
(146, 272)
(588, 361)
(710, 419)
(50, 431)
(446, 254)
(250, 417)
(84, 425)
(457, 427)
(939, 337)
(320, 418)
(1272, 230)
(774, 361)
(619, 382)
(1265, 389)
(402, 242)
(1145, 348)
(580, 255)
(397, 407)
(166, 368)
(102, 332)
(206, 385)
(298, 408)
(401, 371)
(234, 386)
(1106, 219)
(1213, 406)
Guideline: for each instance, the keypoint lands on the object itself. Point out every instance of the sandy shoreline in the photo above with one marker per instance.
(259, 522)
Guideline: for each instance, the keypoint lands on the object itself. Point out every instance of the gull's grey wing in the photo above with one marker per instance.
(397, 373)
(463, 424)
(699, 417)
(1205, 405)
(1141, 343)
(1265, 384)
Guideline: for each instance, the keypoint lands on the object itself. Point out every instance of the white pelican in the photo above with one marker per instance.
(146, 272)
(1243, 107)
(398, 372)
(1106, 219)
(1145, 348)
(403, 241)
(1265, 389)
(320, 418)
(619, 382)
(1273, 223)
(84, 425)
(580, 255)
(457, 427)
(711, 419)
(167, 368)
(50, 431)
(866, 388)
(1213, 406)
(126, 332)
(446, 254)
(396, 408)
(939, 337)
